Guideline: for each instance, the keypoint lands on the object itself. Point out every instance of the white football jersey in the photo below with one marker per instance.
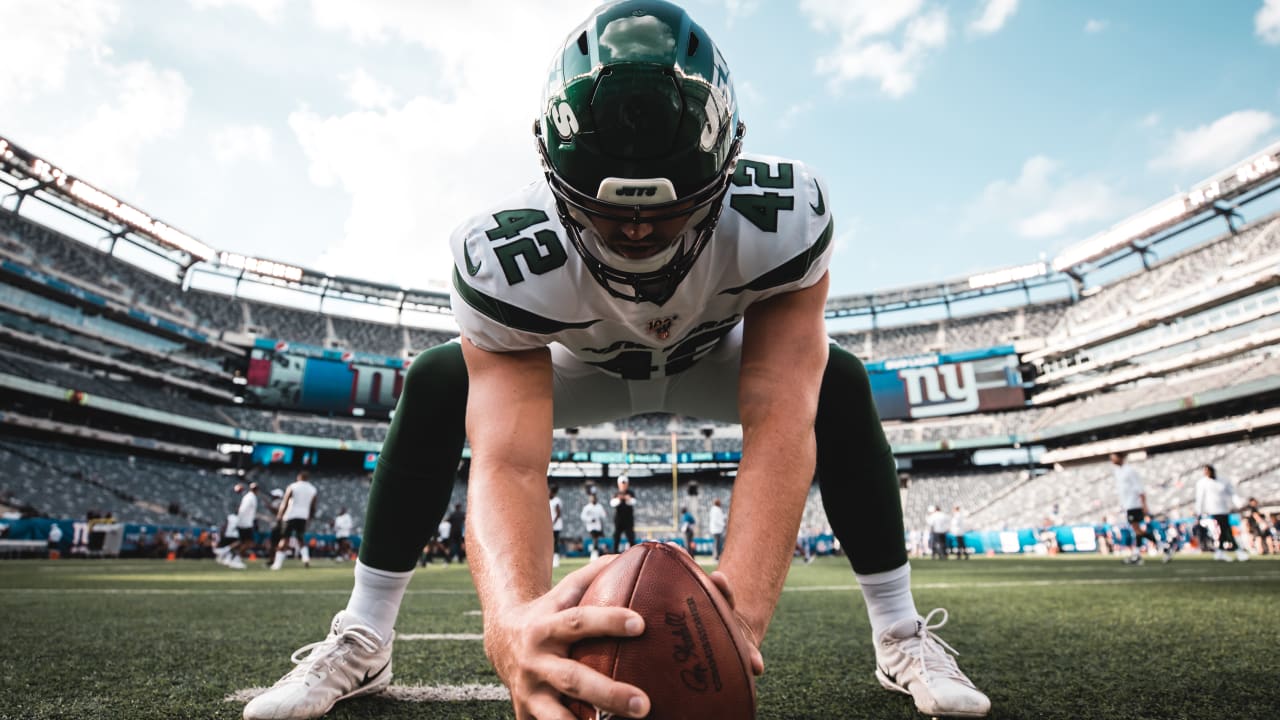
(1128, 487)
(557, 514)
(248, 508)
(519, 283)
(301, 493)
(593, 517)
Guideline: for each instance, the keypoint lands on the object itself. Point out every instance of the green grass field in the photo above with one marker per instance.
(1045, 638)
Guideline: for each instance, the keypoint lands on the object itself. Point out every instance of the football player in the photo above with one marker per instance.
(655, 268)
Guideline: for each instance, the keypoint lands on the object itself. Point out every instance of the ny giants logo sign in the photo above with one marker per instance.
(940, 389)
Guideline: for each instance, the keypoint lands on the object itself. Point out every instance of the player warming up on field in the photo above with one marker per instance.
(296, 508)
(655, 268)
(1133, 500)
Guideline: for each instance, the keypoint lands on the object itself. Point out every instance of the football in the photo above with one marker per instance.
(692, 659)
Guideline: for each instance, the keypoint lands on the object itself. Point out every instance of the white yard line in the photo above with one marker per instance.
(1047, 583)
(411, 693)
(208, 591)
(1262, 576)
(441, 636)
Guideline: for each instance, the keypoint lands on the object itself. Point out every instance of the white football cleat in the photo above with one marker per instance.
(910, 659)
(1242, 555)
(351, 661)
(235, 563)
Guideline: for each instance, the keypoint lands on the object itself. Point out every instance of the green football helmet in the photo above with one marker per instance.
(638, 134)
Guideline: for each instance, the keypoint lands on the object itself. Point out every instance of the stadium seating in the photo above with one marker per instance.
(369, 336)
(1000, 327)
(1200, 264)
(282, 323)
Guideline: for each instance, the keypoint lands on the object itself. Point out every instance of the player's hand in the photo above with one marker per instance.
(757, 660)
(529, 646)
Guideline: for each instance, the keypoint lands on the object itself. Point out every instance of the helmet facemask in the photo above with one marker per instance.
(640, 251)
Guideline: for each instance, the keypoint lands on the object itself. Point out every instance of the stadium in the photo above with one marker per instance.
(145, 373)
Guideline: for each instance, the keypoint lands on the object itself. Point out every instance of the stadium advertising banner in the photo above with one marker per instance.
(323, 380)
(927, 386)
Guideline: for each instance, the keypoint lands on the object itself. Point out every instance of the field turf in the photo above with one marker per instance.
(1045, 638)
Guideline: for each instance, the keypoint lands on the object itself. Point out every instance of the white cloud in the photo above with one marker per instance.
(414, 170)
(994, 15)
(269, 10)
(736, 9)
(886, 42)
(49, 37)
(1149, 120)
(146, 104)
(79, 106)
(1267, 22)
(1223, 141)
(792, 114)
(366, 91)
(1037, 204)
(1093, 26)
(235, 143)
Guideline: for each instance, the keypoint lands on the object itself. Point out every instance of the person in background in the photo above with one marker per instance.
(624, 514)
(342, 527)
(55, 540)
(939, 522)
(593, 517)
(557, 522)
(296, 510)
(958, 529)
(1215, 497)
(457, 528)
(687, 526)
(1257, 523)
(1133, 502)
(717, 521)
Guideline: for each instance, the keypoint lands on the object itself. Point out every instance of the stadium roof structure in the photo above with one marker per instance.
(1220, 195)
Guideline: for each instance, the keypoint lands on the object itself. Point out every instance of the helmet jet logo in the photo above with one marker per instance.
(566, 122)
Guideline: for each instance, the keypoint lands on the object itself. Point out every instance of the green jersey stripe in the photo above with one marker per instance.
(510, 315)
(792, 270)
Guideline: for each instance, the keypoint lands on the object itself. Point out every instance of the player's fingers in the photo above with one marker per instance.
(576, 623)
(545, 706)
(571, 587)
(576, 680)
(757, 661)
(722, 584)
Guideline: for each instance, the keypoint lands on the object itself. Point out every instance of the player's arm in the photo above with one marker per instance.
(784, 354)
(284, 503)
(528, 625)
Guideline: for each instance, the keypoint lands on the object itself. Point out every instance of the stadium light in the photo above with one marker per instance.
(258, 266)
(1151, 220)
(1008, 275)
(1236, 180)
(55, 180)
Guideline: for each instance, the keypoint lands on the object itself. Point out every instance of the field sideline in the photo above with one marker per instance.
(1044, 637)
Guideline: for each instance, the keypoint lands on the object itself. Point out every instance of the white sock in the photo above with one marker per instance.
(221, 552)
(888, 597)
(375, 599)
(279, 560)
(306, 554)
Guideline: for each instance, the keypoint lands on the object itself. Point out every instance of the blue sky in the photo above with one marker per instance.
(350, 137)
